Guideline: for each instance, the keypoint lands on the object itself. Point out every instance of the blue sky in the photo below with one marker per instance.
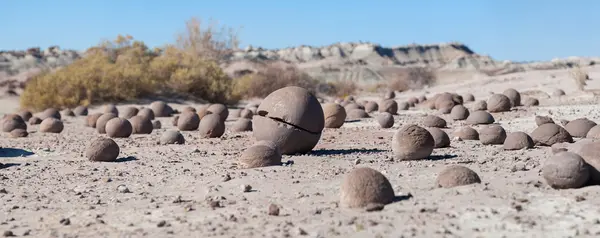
(518, 30)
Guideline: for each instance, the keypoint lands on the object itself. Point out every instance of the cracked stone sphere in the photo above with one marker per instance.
(242, 124)
(220, 110)
(371, 107)
(388, 105)
(161, 109)
(457, 175)
(292, 118)
(434, 121)
(102, 150)
(514, 96)
(81, 111)
(188, 121)
(146, 113)
(549, 134)
(129, 112)
(12, 122)
(412, 142)
(171, 137)
(51, 125)
(479, 118)
(440, 137)
(565, 170)
(579, 127)
(364, 186)
(335, 115)
(141, 125)
(492, 135)
(498, 103)
(102, 120)
(517, 141)
(118, 128)
(261, 154)
(385, 120)
(211, 126)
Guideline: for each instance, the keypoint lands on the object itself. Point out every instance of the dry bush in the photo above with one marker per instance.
(271, 77)
(125, 69)
(402, 79)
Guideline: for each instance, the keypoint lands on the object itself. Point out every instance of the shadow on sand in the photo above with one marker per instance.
(323, 152)
(441, 157)
(125, 159)
(14, 152)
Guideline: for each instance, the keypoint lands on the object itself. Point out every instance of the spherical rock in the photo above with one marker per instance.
(480, 117)
(146, 113)
(67, 113)
(549, 134)
(457, 175)
(246, 113)
(102, 120)
(351, 106)
(141, 125)
(517, 141)
(589, 150)
(371, 107)
(118, 128)
(412, 101)
(261, 154)
(514, 96)
(242, 124)
(530, 102)
(220, 110)
(335, 115)
(444, 102)
(440, 137)
(161, 109)
(579, 127)
(18, 133)
(492, 135)
(171, 137)
(188, 121)
(403, 106)
(459, 112)
(34, 121)
(51, 125)
(434, 121)
(110, 108)
(292, 118)
(12, 122)
(174, 120)
(129, 112)
(558, 93)
(468, 97)
(102, 150)
(364, 186)
(498, 103)
(541, 120)
(385, 120)
(466, 133)
(156, 124)
(91, 119)
(25, 114)
(203, 111)
(189, 109)
(81, 111)
(479, 106)
(211, 126)
(412, 142)
(422, 98)
(565, 170)
(357, 114)
(389, 95)
(594, 133)
(50, 112)
(388, 105)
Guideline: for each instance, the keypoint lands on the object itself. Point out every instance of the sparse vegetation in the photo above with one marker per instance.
(270, 77)
(402, 79)
(579, 76)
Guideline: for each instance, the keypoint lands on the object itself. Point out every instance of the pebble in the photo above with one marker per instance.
(123, 189)
(8, 234)
(273, 210)
(247, 188)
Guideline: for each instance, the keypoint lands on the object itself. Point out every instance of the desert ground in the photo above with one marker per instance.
(49, 189)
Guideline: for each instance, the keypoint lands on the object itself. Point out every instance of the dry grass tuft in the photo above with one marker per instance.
(402, 79)
(270, 77)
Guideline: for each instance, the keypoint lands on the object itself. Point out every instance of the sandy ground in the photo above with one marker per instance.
(53, 191)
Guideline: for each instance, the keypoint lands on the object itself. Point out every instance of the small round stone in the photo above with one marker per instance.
(434, 121)
(25, 114)
(242, 124)
(558, 93)
(517, 141)
(335, 115)
(498, 103)
(594, 132)
(81, 111)
(171, 137)
(579, 127)
(146, 113)
(102, 150)
(141, 125)
(385, 120)
(459, 112)
(156, 124)
(541, 120)
(188, 121)
(129, 112)
(403, 106)
(161, 109)
(590, 152)
(67, 113)
(246, 113)
(203, 111)
(357, 114)
(466, 133)
(352, 106)
(492, 135)
(110, 108)
(457, 175)
(565, 170)
(412, 142)
(440, 137)
(18, 133)
(102, 120)
(371, 107)
(468, 97)
(118, 128)
(220, 110)
(211, 126)
(91, 119)
(261, 154)
(530, 102)
(50, 112)
(389, 95)
(51, 125)
(34, 121)
(549, 134)
(12, 122)
(365, 186)
(514, 96)
(479, 106)
(480, 118)
(388, 105)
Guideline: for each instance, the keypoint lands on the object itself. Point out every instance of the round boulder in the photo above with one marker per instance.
(385, 120)
(188, 121)
(466, 133)
(12, 122)
(480, 118)
(517, 141)
(146, 113)
(479, 106)
(364, 186)
(579, 127)
(102, 150)
(91, 119)
(459, 112)
(549, 134)
(371, 107)
(18, 133)
(129, 112)
(412, 142)
(51, 125)
(110, 108)
(25, 114)
(594, 133)
(81, 111)
(492, 135)
(118, 128)
(220, 110)
(558, 93)
(541, 120)
(242, 124)
(565, 170)
(50, 112)
(514, 96)
(246, 113)
(468, 97)
(211, 126)
(456, 175)
(102, 120)
(440, 137)
(261, 154)
(171, 137)
(357, 114)
(335, 115)
(141, 125)
(388, 105)
(34, 121)
(434, 121)
(67, 112)
(530, 102)
(161, 109)
(498, 103)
